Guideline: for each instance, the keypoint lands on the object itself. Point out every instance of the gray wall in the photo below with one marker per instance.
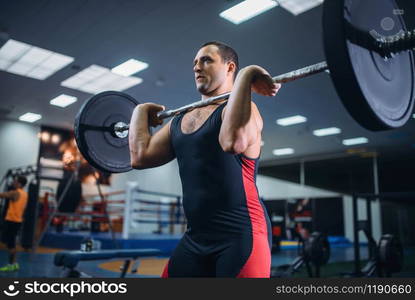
(19, 144)
(166, 179)
(272, 188)
(162, 179)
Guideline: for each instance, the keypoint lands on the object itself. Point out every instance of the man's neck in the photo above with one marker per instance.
(217, 92)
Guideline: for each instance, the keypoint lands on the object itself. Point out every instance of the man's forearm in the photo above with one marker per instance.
(5, 195)
(139, 134)
(8, 195)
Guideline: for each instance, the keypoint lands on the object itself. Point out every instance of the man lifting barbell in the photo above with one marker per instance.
(373, 76)
(217, 148)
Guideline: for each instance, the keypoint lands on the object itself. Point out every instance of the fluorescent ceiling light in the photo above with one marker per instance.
(63, 100)
(30, 61)
(283, 151)
(355, 141)
(247, 10)
(413, 116)
(96, 79)
(129, 67)
(327, 131)
(291, 120)
(30, 117)
(297, 7)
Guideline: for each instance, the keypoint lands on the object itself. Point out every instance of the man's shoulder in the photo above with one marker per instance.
(21, 192)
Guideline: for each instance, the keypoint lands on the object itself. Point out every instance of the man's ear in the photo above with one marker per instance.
(231, 66)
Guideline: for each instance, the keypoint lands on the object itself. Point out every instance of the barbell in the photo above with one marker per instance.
(372, 71)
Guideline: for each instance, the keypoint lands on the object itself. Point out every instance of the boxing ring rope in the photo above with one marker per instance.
(89, 210)
(146, 208)
(133, 211)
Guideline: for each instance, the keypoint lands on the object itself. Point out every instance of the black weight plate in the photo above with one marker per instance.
(94, 131)
(378, 93)
(316, 249)
(391, 254)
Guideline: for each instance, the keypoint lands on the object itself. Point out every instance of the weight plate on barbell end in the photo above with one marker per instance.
(94, 131)
(378, 93)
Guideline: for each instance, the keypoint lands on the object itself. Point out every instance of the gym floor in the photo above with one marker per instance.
(33, 264)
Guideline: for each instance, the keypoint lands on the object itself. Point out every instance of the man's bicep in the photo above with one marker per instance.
(254, 134)
(256, 115)
(255, 125)
(253, 128)
(160, 150)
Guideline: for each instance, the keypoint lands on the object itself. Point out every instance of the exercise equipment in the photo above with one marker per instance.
(70, 259)
(104, 147)
(313, 251)
(391, 255)
(376, 87)
(385, 257)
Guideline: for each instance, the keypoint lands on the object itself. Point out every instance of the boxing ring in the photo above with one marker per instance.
(138, 219)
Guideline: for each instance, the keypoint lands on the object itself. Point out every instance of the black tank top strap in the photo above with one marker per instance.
(217, 114)
(175, 123)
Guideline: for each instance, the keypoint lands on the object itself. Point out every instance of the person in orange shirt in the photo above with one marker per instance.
(13, 220)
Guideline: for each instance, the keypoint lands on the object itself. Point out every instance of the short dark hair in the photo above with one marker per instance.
(22, 180)
(226, 52)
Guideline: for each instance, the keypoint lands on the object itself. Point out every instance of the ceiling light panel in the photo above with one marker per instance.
(327, 131)
(129, 67)
(297, 7)
(96, 79)
(246, 10)
(31, 61)
(63, 100)
(30, 117)
(355, 141)
(297, 119)
(283, 151)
